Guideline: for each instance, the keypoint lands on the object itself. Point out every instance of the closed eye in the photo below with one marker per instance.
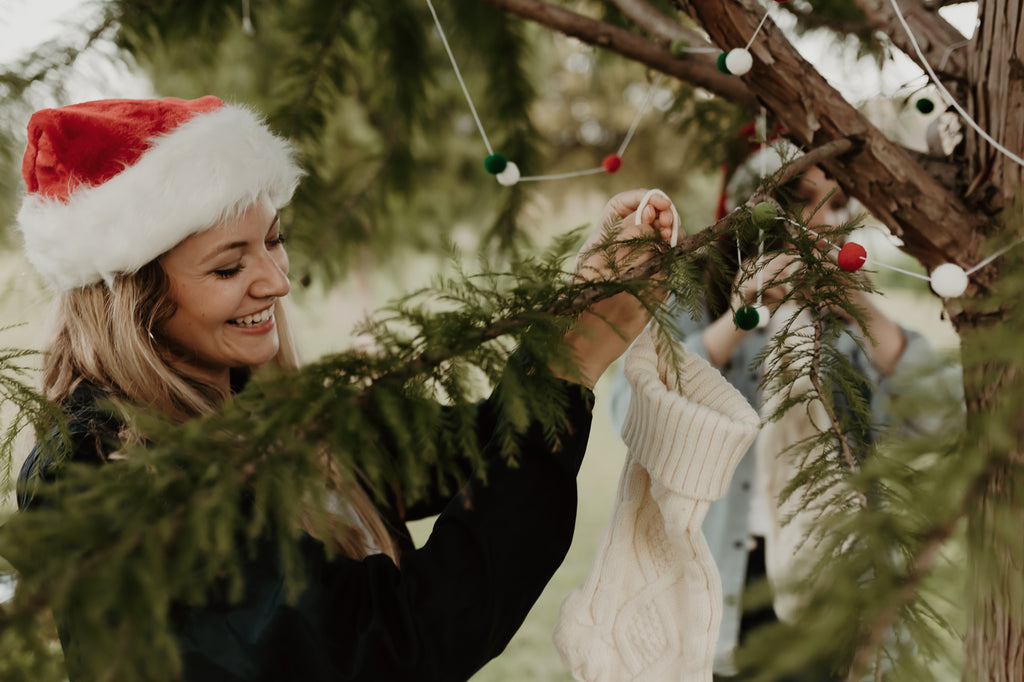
(227, 273)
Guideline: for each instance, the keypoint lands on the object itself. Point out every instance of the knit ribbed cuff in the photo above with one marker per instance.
(686, 424)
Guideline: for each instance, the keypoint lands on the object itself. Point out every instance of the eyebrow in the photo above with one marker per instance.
(238, 245)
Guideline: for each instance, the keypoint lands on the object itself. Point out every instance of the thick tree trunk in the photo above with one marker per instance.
(994, 638)
(994, 641)
(996, 76)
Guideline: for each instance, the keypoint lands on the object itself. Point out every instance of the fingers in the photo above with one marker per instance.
(640, 211)
(657, 210)
(626, 203)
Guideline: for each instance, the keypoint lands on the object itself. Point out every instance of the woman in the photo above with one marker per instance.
(157, 221)
(738, 524)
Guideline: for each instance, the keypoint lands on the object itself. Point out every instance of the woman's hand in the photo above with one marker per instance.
(766, 276)
(605, 330)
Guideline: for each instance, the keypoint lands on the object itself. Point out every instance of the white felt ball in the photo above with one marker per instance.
(738, 61)
(763, 315)
(509, 176)
(949, 280)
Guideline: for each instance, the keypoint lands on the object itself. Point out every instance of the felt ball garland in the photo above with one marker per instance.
(764, 213)
(679, 47)
(611, 163)
(763, 315)
(720, 63)
(509, 176)
(738, 62)
(495, 163)
(506, 172)
(852, 257)
(746, 317)
(948, 280)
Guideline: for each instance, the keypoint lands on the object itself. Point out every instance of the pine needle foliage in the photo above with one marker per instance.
(888, 507)
(172, 522)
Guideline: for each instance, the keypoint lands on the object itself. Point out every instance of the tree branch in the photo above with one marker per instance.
(937, 38)
(934, 223)
(697, 70)
(317, 67)
(650, 18)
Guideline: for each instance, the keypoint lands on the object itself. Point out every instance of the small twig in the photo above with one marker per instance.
(844, 444)
(317, 67)
(924, 560)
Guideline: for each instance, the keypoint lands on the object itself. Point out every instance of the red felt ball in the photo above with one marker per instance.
(611, 163)
(852, 257)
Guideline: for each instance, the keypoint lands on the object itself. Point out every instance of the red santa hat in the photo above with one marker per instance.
(113, 184)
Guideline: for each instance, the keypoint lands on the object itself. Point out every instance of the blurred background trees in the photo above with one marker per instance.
(395, 160)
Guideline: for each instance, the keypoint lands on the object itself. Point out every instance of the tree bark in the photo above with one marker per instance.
(941, 43)
(935, 225)
(996, 103)
(699, 70)
(994, 638)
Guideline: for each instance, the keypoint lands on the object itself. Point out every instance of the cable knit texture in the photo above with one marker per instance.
(651, 606)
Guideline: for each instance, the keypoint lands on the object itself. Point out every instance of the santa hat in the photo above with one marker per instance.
(113, 184)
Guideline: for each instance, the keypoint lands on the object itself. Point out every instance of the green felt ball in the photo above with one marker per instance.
(925, 105)
(746, 318)
(495, 163)
(721, 62)
(764, 213)
(679, 47)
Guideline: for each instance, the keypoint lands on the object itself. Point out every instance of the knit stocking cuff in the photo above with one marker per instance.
(687, 425)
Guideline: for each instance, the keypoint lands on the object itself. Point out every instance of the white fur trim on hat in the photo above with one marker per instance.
(202, 172)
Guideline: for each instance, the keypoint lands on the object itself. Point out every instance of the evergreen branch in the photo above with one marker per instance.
(934, 539)
(698, 70)
(813, 157)
(320, 58)
(65, 58)
(837, 429)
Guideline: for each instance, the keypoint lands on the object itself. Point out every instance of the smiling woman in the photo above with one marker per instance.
(157, 221)
(224, 284)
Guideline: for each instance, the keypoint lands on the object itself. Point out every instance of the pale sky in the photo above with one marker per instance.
(25, 24)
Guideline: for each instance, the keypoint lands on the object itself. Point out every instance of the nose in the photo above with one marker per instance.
(270, 275)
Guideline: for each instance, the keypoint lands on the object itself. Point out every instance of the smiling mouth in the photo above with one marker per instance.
(255, 319)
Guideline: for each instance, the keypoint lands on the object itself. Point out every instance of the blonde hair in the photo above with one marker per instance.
(110, 337)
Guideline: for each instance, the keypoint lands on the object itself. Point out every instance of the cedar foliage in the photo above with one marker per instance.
(892, 548)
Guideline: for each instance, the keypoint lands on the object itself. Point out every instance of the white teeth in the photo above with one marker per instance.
(253, 320)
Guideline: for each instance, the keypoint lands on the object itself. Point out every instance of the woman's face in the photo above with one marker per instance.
(815, 189)
(224, 283)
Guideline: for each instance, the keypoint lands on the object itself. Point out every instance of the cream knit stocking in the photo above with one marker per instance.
(651, 606)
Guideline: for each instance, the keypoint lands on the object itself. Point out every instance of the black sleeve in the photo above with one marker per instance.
(455, 603)
(435, 500)
(92, 435)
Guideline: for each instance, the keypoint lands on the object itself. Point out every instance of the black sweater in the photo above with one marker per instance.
(452, 606)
